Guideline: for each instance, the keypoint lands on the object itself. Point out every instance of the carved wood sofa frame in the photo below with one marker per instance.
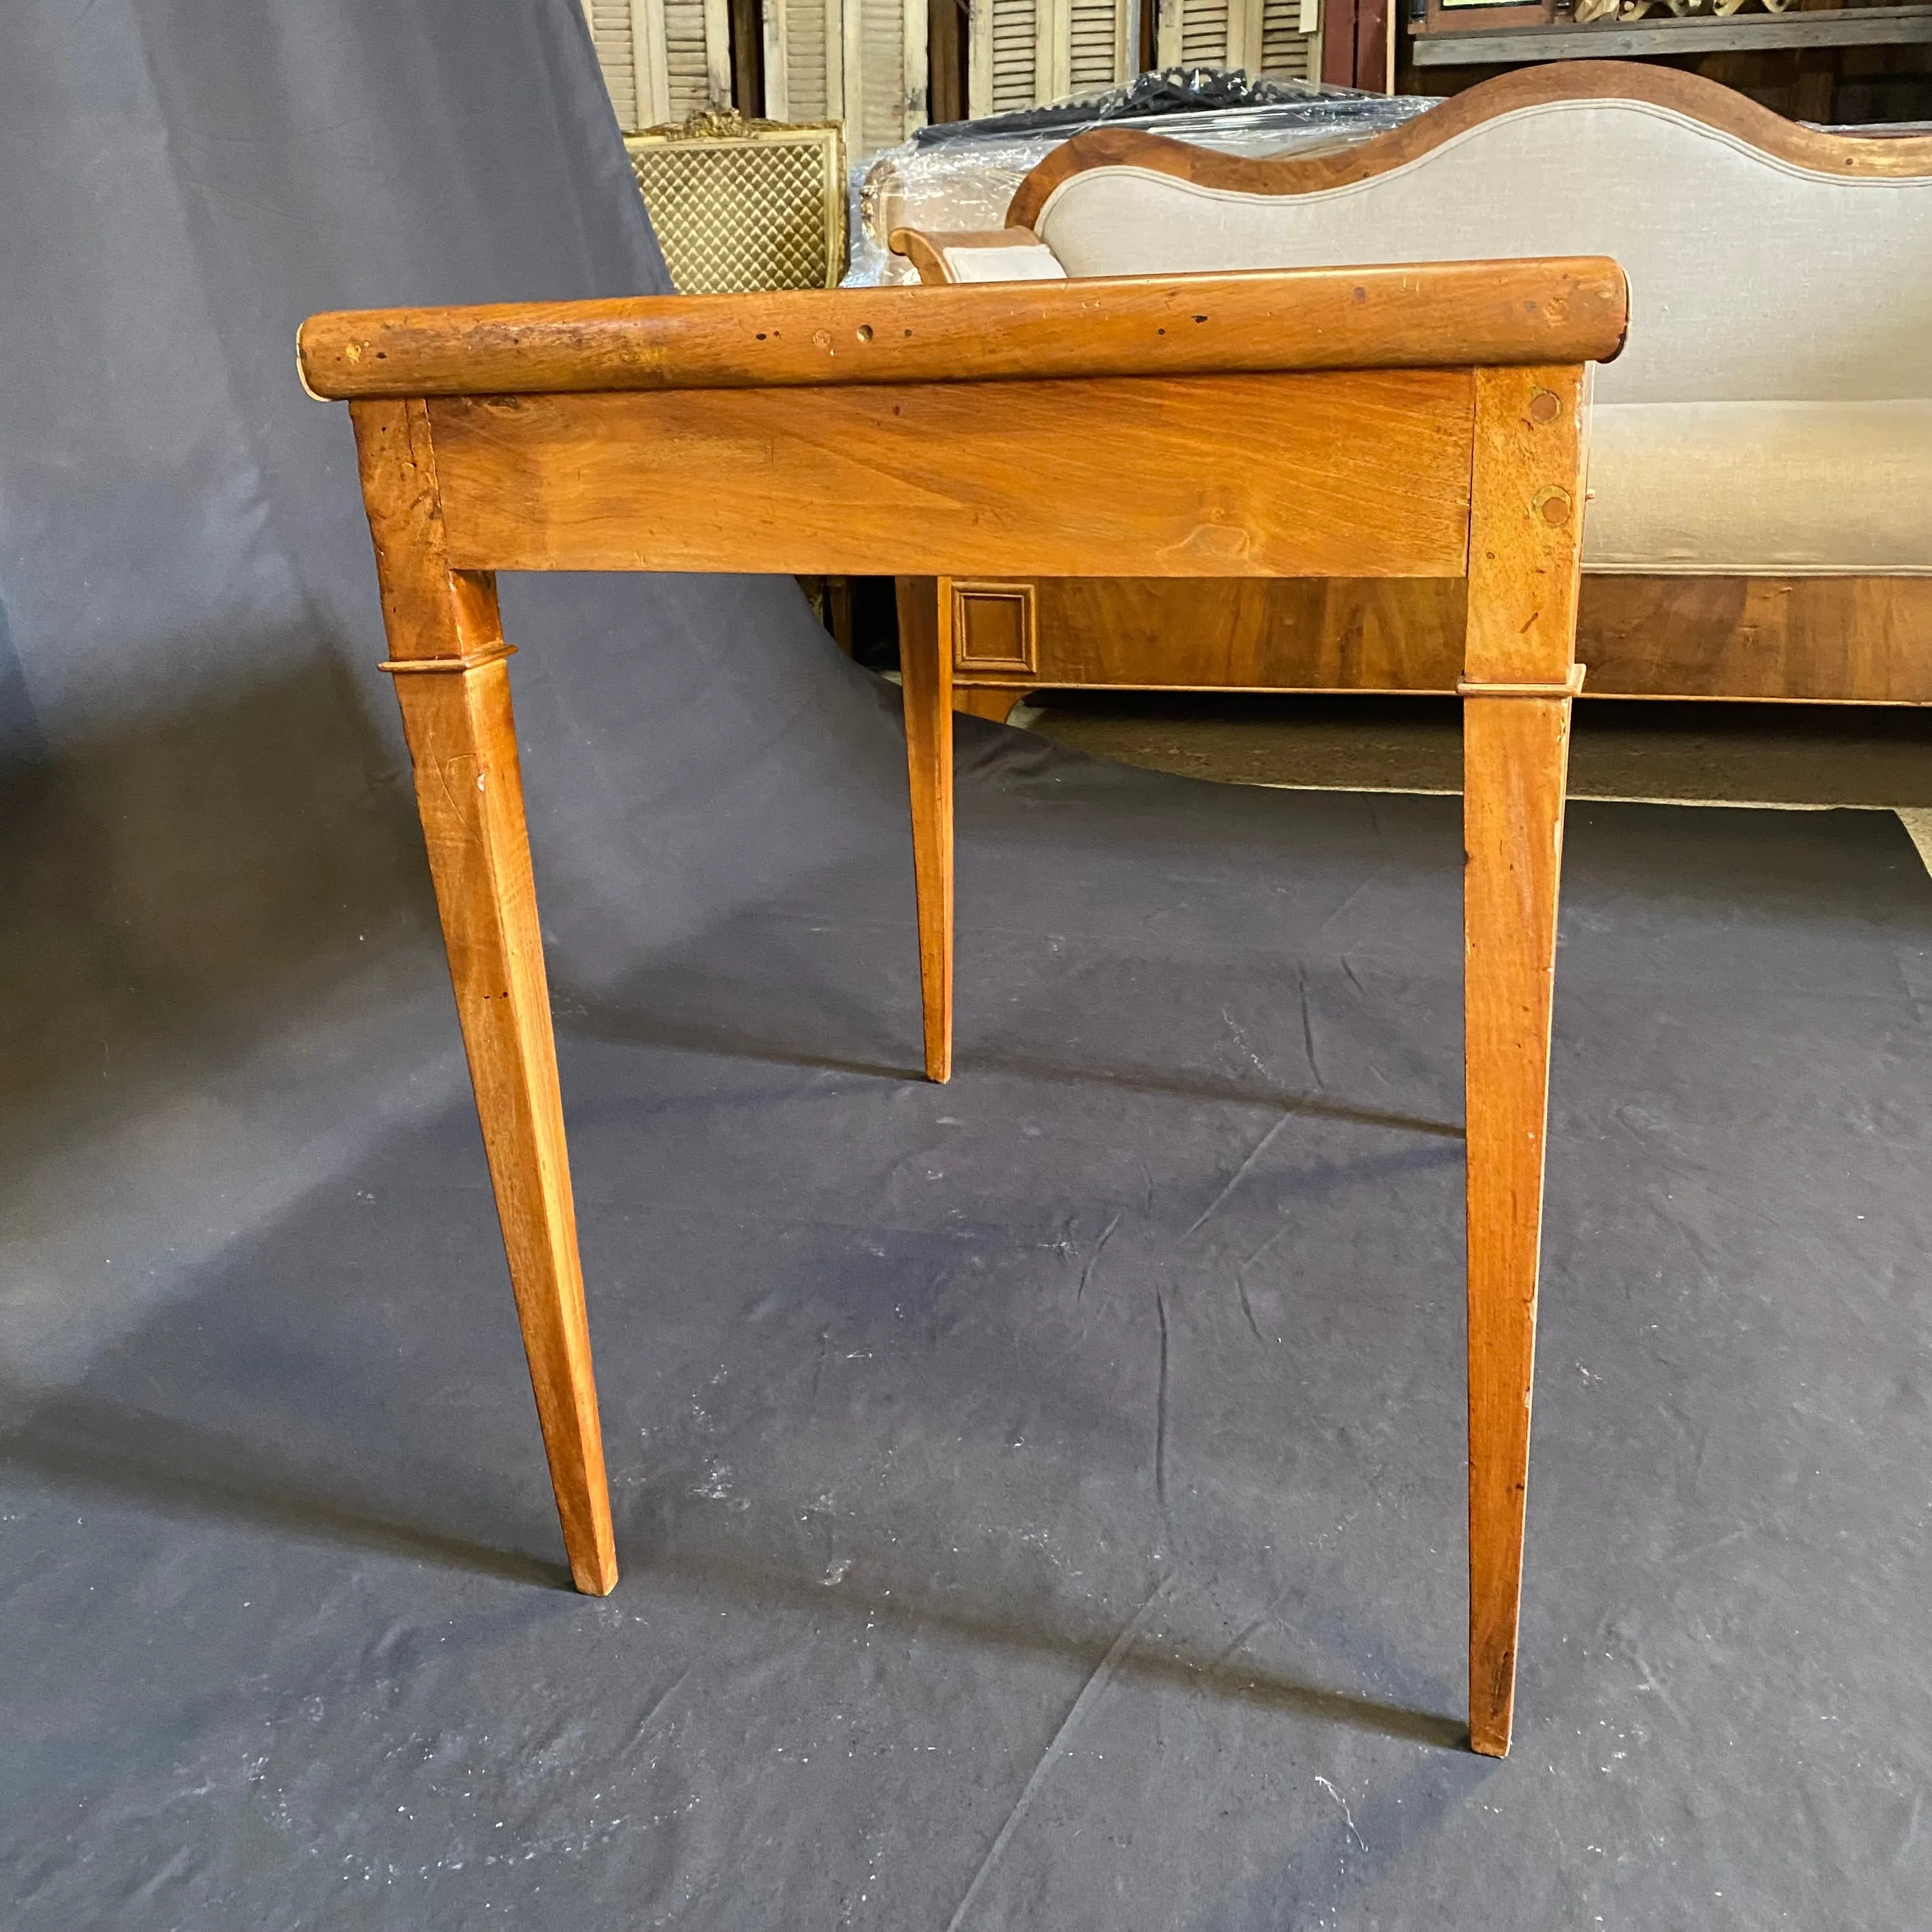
(1417, 424)
(1813, 638)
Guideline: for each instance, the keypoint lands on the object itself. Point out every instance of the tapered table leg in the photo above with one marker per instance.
(1526, 516)
(925, 666)
(452, 679)
(1515, 751)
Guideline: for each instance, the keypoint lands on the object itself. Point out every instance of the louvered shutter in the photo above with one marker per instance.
(860, 62)
(802, 77)
(663, 60)
(1096, 46)
(1291, 39)
(1024, 52)
(1277, 40)
(1205, 32)
(610, 29)
(1004, 62)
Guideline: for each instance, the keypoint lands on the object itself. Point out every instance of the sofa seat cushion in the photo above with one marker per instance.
(1022, 262)
(1760, 489)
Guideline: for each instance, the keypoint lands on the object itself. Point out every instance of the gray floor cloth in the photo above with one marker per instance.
(1040, 1497)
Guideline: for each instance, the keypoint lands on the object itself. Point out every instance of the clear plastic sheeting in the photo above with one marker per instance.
(1174, 90)
(961, 176)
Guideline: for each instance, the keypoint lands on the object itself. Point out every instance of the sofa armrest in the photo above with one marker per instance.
(982, 255)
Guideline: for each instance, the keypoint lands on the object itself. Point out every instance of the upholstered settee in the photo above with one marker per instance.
(1760, 519)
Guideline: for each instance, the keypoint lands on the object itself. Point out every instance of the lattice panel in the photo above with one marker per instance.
(741, 214)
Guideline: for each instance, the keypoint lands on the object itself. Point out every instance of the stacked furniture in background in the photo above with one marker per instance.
(1023, 53)
(883, 67)
(863, 64)
(663, 60)
(1760, 524)
(1823, 61)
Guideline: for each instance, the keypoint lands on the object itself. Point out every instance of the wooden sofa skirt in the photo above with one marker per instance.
(1807, 639)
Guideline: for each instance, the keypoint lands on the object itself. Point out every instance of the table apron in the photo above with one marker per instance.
(1351, 473)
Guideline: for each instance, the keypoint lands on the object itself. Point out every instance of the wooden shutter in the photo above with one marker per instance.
(1277, 40)
(804, 78)
(885, 72)
(1203, 32)
(1096, 46)
(860, 61)
(663, 60)
(610, 30)
(1023, 53)
(1290, 47)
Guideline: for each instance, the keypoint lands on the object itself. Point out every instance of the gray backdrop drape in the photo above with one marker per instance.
(221, 957)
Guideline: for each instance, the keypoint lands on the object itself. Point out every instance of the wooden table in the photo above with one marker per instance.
(1391, 422)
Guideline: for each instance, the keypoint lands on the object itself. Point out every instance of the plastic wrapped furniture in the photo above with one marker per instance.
(1407, 423)
(964, 175)
(1760, 522)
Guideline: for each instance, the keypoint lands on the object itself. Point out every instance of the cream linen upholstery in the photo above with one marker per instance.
(1779, 316)
(1760, 489)
(1024, 262)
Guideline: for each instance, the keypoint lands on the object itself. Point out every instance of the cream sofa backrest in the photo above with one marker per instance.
(1754, 277)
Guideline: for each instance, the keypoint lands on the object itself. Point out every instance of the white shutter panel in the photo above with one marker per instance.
(804, 77)
(860, 62)
(697, 56)
(1016, 74)
(1277, 39)
(1291, 45)
(610, 22)
(1193, 33)
(662, 59)
(1025, 52)
(1096, 45)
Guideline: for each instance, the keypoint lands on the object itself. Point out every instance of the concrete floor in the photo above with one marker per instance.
(1783, 756)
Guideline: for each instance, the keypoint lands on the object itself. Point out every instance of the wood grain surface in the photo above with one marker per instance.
(1525, 541)
(1526, 525)
(925, 669)
(463, 743)
(1842, 639)
(1515, 753)
(1797, 639)
(1313, 634)
(1359, 473)
(1434, 316)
